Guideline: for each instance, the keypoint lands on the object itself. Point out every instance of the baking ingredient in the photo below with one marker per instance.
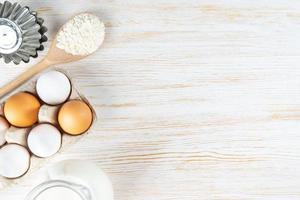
(82, 176)
(4, 125)
(44, 140)
(22, 109)
(14, 160)
(48, 114)
(82, 35)
(2, 138)
(53, 87)
(58, 193)
(75, 117)
(86, 173)
(17, 135)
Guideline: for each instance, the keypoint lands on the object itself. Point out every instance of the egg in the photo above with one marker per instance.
(21, 109)
(14, 160)
(53, 87)
(75, 117)
(44, 140)
(4, 125)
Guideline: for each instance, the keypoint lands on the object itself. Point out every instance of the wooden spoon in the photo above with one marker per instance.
(55, 56)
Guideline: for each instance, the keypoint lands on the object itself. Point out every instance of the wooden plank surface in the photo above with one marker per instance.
(197, 99)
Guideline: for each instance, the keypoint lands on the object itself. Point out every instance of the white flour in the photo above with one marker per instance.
(82, 35)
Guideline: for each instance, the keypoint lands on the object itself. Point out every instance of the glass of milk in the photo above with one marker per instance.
(73, 180)
(57, 189)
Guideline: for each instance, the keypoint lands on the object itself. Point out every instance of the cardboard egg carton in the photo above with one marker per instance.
(49, 115)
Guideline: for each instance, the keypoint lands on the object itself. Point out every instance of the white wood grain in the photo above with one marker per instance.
(197, 99)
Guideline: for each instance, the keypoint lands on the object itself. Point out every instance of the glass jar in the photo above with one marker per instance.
(50, 188)
(73, 180)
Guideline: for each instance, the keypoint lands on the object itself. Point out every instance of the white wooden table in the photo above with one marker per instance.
(198, 99)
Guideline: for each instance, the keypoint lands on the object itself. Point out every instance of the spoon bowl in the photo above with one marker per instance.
(59, 56)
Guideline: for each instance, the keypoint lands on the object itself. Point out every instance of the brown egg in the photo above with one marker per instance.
(75, 117)
(22, 109)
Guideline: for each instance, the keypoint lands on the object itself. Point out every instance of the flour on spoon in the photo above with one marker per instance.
(82, 35)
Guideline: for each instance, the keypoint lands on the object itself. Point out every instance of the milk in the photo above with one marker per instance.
(73, 180)
(58, 193)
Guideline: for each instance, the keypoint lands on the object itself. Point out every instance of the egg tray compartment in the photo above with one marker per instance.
(67, 140)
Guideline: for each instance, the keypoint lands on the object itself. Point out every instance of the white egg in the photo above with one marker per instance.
(4, 125)
(2, 138)
(53, 87)
(14, 160)
(44, 140)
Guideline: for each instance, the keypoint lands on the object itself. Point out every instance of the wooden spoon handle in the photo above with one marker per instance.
(24, 77)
